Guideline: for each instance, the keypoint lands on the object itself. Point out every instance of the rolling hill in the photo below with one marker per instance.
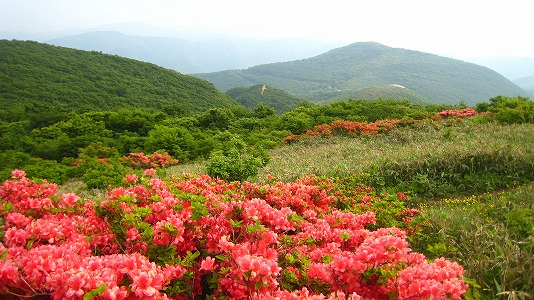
(187, 55)
(346, 70)
(253, 96)
(39, 78)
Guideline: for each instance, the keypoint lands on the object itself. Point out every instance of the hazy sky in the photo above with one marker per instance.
(458, 28)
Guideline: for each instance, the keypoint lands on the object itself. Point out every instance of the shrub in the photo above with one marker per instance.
(234, 164)
(104, 174)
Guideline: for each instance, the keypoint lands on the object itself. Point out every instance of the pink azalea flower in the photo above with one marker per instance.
(207, 264)
(131, 178)
(141, 285)
(149, 172)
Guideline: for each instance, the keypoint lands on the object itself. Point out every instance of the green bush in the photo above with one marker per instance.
(50, 170)
(510, 110)
(105, 174)
(234, 165)
(232, 161)
(510, 116)
(47, 169)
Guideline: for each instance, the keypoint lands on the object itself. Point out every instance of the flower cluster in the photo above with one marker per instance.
(381, 126)
(199, 237)
(142, 161)
(466, 112)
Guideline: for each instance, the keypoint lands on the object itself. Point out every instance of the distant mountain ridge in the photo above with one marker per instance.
(38, 78)
(342, 72)
(193, 56)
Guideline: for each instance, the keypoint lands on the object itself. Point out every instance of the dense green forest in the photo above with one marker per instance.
(37, 78)
(340, 73)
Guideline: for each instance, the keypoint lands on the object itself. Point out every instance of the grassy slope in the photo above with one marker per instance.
(55, 78)
(388, 91)
(409, 157)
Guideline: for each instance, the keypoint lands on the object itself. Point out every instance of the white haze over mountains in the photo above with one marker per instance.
(195, 54)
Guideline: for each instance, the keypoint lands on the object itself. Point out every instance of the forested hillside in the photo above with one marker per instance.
(40, 81)
(260, 94)
(342, 72)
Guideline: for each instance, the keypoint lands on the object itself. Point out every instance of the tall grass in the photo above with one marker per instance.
(432, 160)
(491, 236)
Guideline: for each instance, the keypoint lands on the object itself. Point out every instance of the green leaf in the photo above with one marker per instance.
(344, 235)
(96, 292)
(235, 224)
(199, 210)
(221, 257)
(190, 258)
(327, 259)
(8, 206)
(30, 244)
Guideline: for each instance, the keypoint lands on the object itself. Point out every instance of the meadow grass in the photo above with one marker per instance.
(490, 235)
(432, 160)
(193, 167)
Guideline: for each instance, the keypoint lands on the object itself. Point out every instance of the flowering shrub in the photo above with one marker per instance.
(466, 112)
(142, 161)
(344, 126)
(198, 237)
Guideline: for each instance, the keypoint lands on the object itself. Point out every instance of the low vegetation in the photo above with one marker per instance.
(260, 94)
(490, 234)
(429, 159)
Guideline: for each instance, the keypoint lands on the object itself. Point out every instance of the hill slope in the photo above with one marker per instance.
(386, 91)
(360, 65)
(193, 56)
(253, 96)
(42, 77)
